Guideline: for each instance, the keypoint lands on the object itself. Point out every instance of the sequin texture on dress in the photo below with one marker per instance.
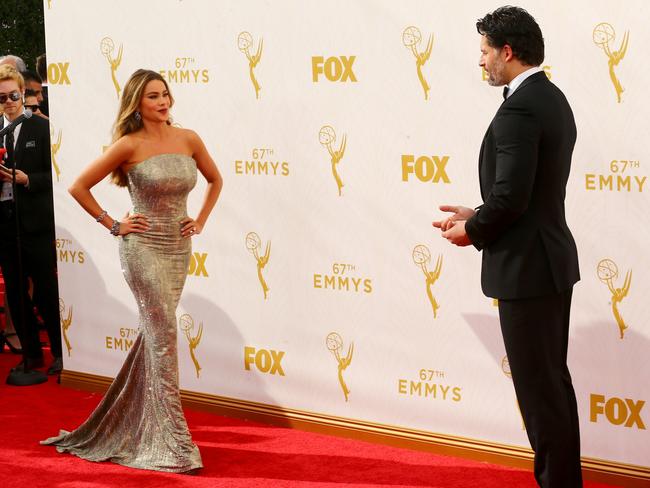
(140, 422)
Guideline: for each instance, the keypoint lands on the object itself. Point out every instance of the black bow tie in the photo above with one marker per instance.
(505, 92)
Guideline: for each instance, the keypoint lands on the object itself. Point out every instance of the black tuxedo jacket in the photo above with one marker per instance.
(32, 156)
(524, 164)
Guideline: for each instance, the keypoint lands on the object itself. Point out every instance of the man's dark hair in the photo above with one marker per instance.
(517, 28)
(41, 66)
(31, 76)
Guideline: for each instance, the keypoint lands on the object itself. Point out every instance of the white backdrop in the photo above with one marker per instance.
(345, 264)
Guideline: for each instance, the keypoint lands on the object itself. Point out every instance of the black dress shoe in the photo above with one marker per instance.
(32, 363)
(56, 366)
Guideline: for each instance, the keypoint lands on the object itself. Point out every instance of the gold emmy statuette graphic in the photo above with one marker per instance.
(253, 244)
(505, 367)
(65, 323)
(422, 257)
(186, 324)
(334, 343)
(607, 272)
(49, 4)
(244, 43)
(604, 34)
(411, 37)
(55, 149)
(107, 46)
(327, 137)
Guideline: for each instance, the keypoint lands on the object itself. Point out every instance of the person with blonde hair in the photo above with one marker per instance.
(27, 249)
(140, 422)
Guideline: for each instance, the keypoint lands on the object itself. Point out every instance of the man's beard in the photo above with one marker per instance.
(495, 75)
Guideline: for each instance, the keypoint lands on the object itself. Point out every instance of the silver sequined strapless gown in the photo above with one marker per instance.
(139, 422)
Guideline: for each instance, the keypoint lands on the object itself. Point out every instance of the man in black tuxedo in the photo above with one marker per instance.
(28, 148)
(530, 261)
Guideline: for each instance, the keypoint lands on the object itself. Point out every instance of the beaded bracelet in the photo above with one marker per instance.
(101, 216)
(115, 228)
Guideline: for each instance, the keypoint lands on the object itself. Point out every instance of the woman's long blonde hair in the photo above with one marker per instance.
(127, 121)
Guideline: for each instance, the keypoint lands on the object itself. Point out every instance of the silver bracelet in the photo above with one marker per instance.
(115, 228)
(101, 216)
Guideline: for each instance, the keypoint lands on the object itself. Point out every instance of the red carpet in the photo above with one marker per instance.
(235, 453)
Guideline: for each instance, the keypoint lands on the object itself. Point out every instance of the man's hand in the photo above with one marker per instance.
(21, 177)
(456, 234)
(460, 213)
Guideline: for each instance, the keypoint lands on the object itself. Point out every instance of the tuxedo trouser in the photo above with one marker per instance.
(536, 335)
(38, 264)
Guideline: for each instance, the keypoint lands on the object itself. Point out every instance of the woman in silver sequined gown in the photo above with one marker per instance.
(140, 422)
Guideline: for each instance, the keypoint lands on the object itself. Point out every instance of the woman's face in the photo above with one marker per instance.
(154, 105)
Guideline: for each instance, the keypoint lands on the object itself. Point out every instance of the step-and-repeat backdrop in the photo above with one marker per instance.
(318, 283)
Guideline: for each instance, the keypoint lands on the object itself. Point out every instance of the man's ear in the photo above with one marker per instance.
(507, 51)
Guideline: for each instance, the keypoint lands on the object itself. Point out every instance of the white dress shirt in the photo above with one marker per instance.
(16, 130)
(7, 192)
(519, 79)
